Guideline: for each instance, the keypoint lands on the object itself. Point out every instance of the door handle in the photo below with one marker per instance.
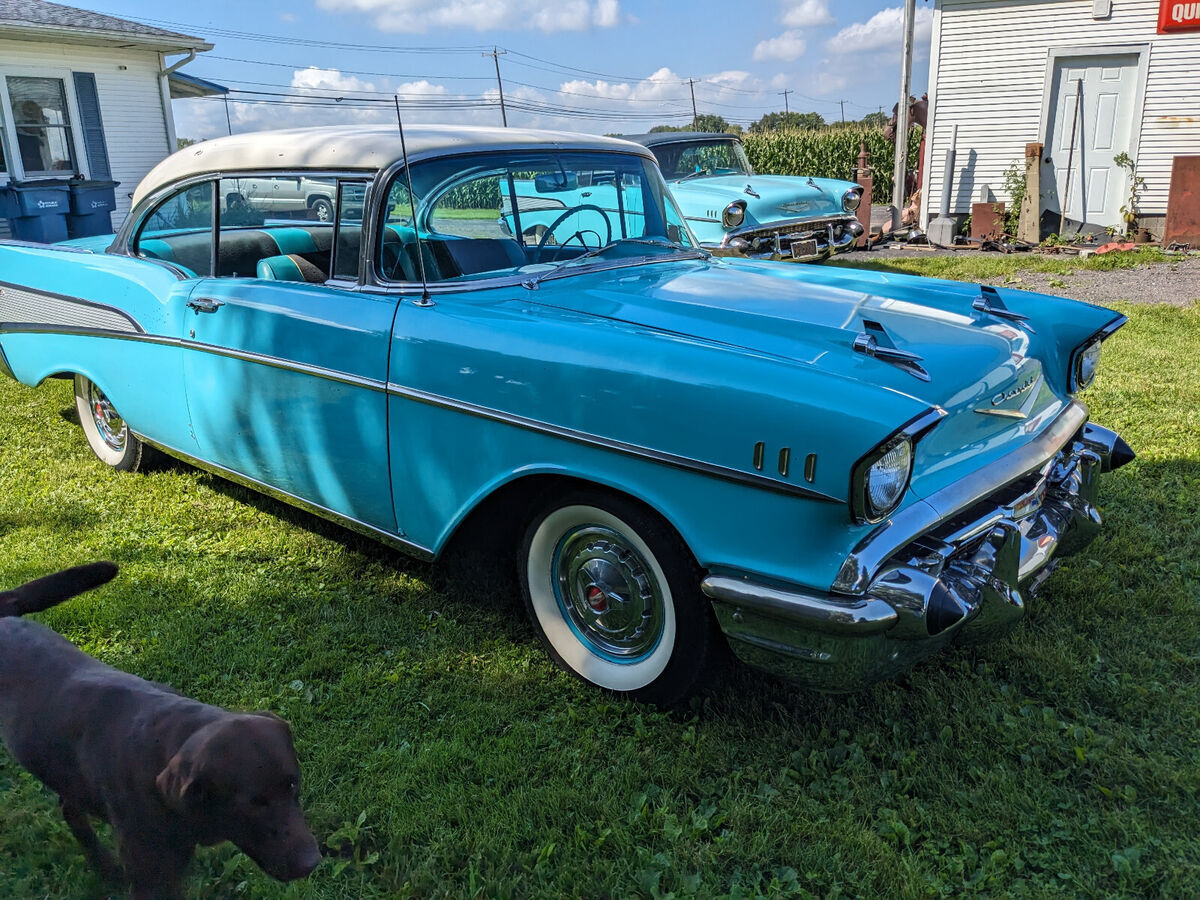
(205, 304)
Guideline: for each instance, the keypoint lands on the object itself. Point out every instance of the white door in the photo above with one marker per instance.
(1098, 187)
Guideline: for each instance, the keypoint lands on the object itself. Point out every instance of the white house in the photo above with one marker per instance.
(1009, 72)
(83, 93)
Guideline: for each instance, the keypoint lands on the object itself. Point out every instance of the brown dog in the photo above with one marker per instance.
(165, 771)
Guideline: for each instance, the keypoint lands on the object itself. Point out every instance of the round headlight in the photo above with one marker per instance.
(887, 478)
(1086, 364)
(851, 199)
(734, 215)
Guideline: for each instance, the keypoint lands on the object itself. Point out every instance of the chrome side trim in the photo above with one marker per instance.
(579, 437)
(34, 245)
(22, 305)
(276, 362)
(921, 516)
(385, 537)
(857, 616)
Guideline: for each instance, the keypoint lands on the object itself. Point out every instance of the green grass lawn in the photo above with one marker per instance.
(449, 758)
(988, 266)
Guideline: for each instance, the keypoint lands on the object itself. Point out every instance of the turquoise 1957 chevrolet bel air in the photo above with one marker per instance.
(838, 472)
(735, 212)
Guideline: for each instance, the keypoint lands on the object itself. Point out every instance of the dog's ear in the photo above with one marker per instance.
(178, 784)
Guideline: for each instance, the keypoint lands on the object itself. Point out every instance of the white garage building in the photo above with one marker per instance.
(1009, 72)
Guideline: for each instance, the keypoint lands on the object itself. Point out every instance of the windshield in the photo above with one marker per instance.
(519, 212)
(712, 157)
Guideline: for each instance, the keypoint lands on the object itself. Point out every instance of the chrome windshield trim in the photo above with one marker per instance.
(392, 540)
(591, 440)
(919, 517)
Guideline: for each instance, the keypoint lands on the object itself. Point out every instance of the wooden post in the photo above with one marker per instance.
(1030, 227)
(862, 175)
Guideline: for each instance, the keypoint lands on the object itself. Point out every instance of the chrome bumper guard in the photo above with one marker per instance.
(781, 240)
(967, 579)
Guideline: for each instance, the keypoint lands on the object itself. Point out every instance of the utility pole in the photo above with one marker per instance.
(495, 55)
(843, 103)
(785, 103)
(906, 56)
(228, 123)
(691, 82)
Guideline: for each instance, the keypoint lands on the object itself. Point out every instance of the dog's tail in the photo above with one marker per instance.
(54, 589)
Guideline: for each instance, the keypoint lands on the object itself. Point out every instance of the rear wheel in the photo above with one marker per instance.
(322, 209)
(615, 596)
(105, 430)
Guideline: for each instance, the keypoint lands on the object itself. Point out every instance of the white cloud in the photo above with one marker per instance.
(484, 15)
(329, 80)
(806, 13)
(787, 46)
(883, 31)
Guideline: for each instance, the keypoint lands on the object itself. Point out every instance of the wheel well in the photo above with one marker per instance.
(313, 198)
(496, 525)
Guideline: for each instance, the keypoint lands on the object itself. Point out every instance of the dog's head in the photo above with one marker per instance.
(237, 779)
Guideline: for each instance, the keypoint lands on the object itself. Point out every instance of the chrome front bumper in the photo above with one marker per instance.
(965, 579)
(783, 240)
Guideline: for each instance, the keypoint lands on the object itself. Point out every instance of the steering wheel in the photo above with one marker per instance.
(579, 234)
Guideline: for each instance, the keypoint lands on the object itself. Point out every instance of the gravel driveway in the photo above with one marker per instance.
(1176, 282)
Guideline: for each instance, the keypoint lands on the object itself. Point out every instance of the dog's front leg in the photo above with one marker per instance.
(155, 867)
(98, 855)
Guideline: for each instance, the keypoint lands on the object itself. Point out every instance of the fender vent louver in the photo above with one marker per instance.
(875, 342)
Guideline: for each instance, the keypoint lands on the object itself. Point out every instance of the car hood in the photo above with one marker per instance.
(778, 196)
(808, 318)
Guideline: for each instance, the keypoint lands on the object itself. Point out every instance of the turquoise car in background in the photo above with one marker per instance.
(734, 212)
(832, 472)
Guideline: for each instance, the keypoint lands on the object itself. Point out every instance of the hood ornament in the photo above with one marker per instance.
(875, 342)
(752, 192)
(989, 302)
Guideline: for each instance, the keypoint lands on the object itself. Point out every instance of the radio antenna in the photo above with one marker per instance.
(426, 299)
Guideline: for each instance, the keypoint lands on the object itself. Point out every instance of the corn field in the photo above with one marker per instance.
(829, 153)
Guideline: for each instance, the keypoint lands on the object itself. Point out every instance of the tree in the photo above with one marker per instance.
(182, 142)
(708, 122)
(791, 120)
(874, 120)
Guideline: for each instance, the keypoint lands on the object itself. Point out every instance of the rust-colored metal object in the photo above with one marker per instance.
(987, 220)
(863, 177)
(1183, 203)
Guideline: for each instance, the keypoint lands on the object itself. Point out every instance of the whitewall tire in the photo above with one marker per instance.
(107, 433)
(614, 595)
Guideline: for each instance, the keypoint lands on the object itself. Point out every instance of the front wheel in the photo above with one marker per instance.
(105, 430)
(614, 595)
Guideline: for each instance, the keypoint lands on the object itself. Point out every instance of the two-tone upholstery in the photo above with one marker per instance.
(289, 267)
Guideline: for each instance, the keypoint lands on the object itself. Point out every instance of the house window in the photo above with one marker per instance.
(42, 125)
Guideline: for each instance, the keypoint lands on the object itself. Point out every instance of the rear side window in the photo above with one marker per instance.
(180, 230)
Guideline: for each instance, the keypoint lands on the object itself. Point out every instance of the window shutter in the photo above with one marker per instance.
(92, 125)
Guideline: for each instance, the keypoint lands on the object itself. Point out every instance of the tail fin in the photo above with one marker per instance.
(54, 589)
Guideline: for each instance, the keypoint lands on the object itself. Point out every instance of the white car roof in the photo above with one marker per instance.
(340, 148)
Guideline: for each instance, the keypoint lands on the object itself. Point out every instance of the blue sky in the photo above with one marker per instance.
(614, 65)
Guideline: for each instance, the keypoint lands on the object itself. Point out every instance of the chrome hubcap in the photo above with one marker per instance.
(608, 592)
(110, 425)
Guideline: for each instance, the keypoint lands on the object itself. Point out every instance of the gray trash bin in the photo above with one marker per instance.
(41, 210)
(92, 204)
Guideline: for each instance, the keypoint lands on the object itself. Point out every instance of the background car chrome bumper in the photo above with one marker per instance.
(775, 240)
(966, 579)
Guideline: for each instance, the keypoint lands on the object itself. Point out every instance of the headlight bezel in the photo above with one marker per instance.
(863, 511)
(852, 199)
(1075, 375)
(736, 208)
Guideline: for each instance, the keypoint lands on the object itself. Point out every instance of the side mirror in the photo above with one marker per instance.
(555, 182)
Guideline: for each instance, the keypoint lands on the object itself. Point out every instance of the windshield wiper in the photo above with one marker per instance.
(697, 252)
(693, 175)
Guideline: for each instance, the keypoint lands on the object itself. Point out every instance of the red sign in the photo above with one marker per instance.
(1175, 15)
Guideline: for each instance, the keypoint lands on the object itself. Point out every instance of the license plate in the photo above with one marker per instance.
(804, 249)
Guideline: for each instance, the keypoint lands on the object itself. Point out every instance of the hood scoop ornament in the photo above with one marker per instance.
(989, 302)
(752, 192)
(874, 341)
